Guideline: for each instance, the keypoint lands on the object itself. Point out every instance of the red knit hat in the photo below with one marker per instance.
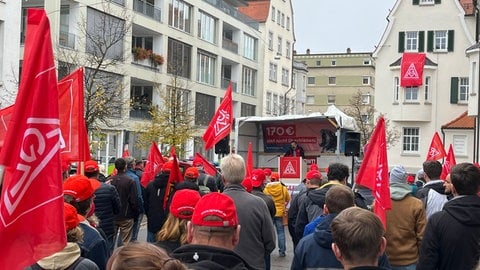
(275, 176)
(183, 203)
(191, 172)
(215, 204)
(71, 216)
(91, 166)
(313, 174)
(258, 177)
(79, 187)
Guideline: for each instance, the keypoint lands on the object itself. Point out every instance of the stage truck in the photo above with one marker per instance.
(321, 135)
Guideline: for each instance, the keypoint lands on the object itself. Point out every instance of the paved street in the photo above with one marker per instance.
(278, 263)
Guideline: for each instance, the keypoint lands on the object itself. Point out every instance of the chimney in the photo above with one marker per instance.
(349, 50)
(308, 51)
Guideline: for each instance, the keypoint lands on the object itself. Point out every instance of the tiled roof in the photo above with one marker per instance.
(428, 62)
(257, 10)
(467, 5)
(462, 122)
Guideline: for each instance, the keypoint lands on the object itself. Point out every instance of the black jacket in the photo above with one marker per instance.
(200, 257)
(107, 205)
(268, 200)
(452, 236)
(127, 191)
(153, 203)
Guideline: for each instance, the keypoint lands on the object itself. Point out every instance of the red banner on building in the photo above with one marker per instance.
(412, 69)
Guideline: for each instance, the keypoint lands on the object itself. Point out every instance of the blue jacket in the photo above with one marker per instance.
(135, 177)
(94, 247)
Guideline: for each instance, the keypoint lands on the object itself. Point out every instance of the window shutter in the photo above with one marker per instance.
(430, 41)
(454, 90)
(421, 41)
(415, 2)
(401, 41)
(451, 40)
(438, 1)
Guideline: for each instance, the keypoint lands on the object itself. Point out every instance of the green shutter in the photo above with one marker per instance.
(430, 41)
(451, 40)
(438, 1)
(415, 2)
(421, 41)
(454, 90)
(401, 41)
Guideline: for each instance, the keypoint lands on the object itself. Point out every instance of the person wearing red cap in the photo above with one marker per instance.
(257, 238)
(78, 191)
(281, 197)
(69, 257)
(212, 234)
(106, 201)
(174, 231)
(127, 191)
(190, 182)
(268, 173)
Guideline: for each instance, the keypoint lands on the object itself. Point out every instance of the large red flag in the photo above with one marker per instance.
(5, 115)
(221, 123)
(412, 69)
(249, 167)
(72, 122)
(174, 177)
(207, 166)
(153, 165)
(31, 207)
(436, 150)
(449, 163)
(373, 172)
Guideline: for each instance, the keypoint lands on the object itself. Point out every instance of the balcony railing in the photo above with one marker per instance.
(140, 113)
(147, 9)
(226, 81)
(227, 44)
(232, 11)
(67, 40)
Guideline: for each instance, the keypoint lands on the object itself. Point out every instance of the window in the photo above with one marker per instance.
(287, 49)
(179, 104)
(142, 42)
(319, 63)
(247, 110)
(204, 109)
(367, 62)
(311, 80)
(333, 63)
(249, 81)
(112, 86)
(273, 14)
(331, 99)
(140, 101)
(283, 20)
(179, 15)
(270, 41)
(427, 88)
(268, 103)
(366, 80)
(275, 104)
(278, 17)
(179, 58)
(273, 72)
(411, 41)
(460, 145)
(285, 76)
(440, 41)
(427, 2)
(411, 93)
(411, 138)
(366, 99)
(65, 37)
(205, 68)
(279, 46)
(463, 90)
(310, 99)
(250, 47)
(104, 35)
(365, 118)
(288, 23)
(206, 27)
(332, 80)
(396, 89)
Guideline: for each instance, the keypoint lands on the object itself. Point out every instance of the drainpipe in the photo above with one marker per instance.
(443, 139)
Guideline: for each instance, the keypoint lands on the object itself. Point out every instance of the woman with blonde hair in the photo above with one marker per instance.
(174, 231)
(142, 256)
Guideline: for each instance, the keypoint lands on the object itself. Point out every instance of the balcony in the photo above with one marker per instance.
(226, 81)
(148, 10)
(67, 40)
(228, 44)
(140, 113)
(403, 112)
(232, 11)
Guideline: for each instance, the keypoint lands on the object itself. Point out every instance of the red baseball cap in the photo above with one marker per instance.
(191, 172)
(79, 187)
(275, 176)
(183, 203)
(313, 174)
(267, 171)
(247, 183)
(313, 167)
(71, 216)
(218, 205)
(91, 166)
(258, 177)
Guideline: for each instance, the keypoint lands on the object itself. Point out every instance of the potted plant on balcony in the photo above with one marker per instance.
(156, 59)
(140, 53)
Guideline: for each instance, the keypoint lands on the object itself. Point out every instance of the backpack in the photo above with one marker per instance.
(73, 266)
(203, 189)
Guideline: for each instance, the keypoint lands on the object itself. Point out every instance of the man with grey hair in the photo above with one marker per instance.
(257, 237)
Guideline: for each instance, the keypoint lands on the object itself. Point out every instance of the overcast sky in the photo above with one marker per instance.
(332, 26)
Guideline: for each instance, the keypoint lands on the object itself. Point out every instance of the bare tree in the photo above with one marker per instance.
(364, 114)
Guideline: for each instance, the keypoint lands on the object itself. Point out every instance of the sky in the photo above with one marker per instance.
(332, 26)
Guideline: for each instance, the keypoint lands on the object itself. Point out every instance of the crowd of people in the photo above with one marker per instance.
(236, 221)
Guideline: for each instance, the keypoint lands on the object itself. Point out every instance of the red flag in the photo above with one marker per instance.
(5, 115)
(221, 123)
(153, 165)
(31, 207)
(449, 163)
(207, 166)
(249, 164)
(174, 177)
(436, 150)
(412, 69)
(72, 122)
(373, 172)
